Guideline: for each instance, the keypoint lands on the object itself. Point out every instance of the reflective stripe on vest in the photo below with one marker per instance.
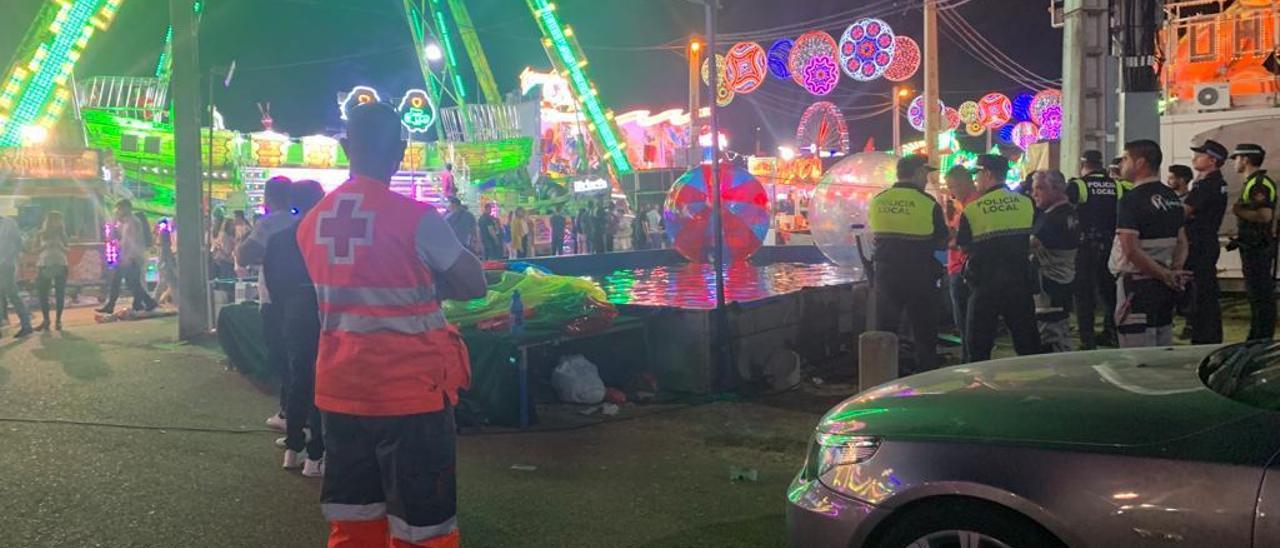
(999, 213)
(903, 213)
(374, 296)
(352, 322)
(1259, 177)
(1082, 190)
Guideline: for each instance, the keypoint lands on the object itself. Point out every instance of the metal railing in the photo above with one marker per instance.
(473, 123)
(131, 97)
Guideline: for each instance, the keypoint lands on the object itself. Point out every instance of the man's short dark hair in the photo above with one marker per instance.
(1182, 172)
(276, 191)
(455, 201)
(1147, 150)
(304, 195)
(373, 138)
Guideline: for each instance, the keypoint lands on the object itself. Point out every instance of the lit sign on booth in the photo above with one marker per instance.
(806, 170)
(26, 163)
(590, 185)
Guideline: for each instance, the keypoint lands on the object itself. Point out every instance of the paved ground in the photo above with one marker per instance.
(661, 480)
(194, 467)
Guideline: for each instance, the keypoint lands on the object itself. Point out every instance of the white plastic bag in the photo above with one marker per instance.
(577, 381)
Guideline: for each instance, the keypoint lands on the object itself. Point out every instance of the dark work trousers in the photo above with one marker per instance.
(1053, 312)
(1205, 311)
(277, 350)
(398, 470)
(1093, 278)
(914, 291)
(987, 305)
(960, 307)
(132, 273)
(55, 278)
(302, 336)
(1260, 284)
(1145, 313)
(113, 286)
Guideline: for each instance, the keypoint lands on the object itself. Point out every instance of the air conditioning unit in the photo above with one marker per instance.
(1216, 96)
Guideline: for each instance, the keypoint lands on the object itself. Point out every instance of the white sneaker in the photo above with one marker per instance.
(276, 422)
(314, 468)
(292, 460)
(280, 442)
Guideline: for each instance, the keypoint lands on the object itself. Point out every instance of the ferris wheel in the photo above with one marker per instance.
(822, 131)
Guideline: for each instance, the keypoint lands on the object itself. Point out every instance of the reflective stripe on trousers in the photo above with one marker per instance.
(353, 512)
(418, 533)
(359, 323)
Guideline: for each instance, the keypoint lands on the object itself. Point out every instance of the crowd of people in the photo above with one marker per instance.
(595, 228)
(1141, 239)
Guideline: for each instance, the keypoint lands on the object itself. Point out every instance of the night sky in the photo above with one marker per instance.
(298, 54)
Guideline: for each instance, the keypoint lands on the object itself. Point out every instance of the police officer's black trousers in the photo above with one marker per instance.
(1205, 315)
(1260, 284)
(987, 305)
(916, 293)
(1093, 278)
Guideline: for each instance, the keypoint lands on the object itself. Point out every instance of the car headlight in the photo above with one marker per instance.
(832, 458)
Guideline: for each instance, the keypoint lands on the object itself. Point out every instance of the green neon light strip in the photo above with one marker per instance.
(443, 29)
(166, 54)
(35, 97)
(471, 42)
(569, 59)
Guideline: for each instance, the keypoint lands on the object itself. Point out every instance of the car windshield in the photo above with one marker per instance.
(1247, 372)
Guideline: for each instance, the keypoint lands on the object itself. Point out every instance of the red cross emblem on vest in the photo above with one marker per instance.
(344, 227)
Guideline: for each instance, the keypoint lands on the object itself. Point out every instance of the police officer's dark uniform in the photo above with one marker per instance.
(909, 227)
(1206, 204)
(995, 231)
(1257, 243)
(1095, 196)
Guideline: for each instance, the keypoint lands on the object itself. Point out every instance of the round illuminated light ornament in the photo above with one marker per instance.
(968, 112)
(417, 113)
(779, 54)
(821, 74)
(1051, 123)
(358, 95)
(724, 95)
(1024, 134)
(1022, 107)
(1005, 133)
(866, 49)
(975, 129)
(916, 113)
(995, 110)
(745, 67)
(906, 60)
(1044, 100)
(706, 68)
(809, 45)
(952, 116)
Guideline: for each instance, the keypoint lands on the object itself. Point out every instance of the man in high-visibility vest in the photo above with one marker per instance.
(389, 365)
(995, 231)
(1255, 212)
(909, 227)
(1095, 195)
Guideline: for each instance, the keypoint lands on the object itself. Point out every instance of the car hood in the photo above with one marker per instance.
(1116, 398)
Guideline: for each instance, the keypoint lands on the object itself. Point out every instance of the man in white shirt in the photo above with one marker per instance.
(132, 255)
(10, 251)
(251, 252)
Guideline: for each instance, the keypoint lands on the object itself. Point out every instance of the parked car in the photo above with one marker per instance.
(1150, 447)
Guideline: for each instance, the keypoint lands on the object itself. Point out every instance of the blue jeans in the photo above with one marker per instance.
(9, 290)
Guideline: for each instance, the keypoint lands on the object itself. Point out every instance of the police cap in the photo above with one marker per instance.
(1092, 157)
(908, 165)
(1250, 149)
(1212, 148)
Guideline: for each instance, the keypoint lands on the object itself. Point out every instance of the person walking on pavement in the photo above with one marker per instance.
(51, 267)
(1205, 205)
(252, 252)
(1095, 195)
(130, 264)
(1055, 239)
(994, 231)
(558, 224)
(1149, 251)
(1256, 238)
(909, 227)
(292, 292)
(389, 365)
(10, 252)
(960, 185)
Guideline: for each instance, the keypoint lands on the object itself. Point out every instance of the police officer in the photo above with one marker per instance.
(1205, 205)
(909, 227)
(1095, 195)
(1255, 213)
(1150, 251)
(995, 231)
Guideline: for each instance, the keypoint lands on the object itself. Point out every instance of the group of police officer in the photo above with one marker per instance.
(1121, 234)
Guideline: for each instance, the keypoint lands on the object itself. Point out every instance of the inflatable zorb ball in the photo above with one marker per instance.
(838, 213)
(745, 214)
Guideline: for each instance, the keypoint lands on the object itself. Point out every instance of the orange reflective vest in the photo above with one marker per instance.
(385, 347)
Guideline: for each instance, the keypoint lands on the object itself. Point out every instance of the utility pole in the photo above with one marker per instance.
(1085, 39)
(695, 88)
(932, 116)
(193, 291)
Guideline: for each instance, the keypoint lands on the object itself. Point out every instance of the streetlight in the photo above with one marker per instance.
(33, 135)
(899, 93)
(433, 52)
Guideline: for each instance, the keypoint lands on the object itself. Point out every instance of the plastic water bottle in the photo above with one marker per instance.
(517, 313)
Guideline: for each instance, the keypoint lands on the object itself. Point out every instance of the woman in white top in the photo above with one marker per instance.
(52, 244)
